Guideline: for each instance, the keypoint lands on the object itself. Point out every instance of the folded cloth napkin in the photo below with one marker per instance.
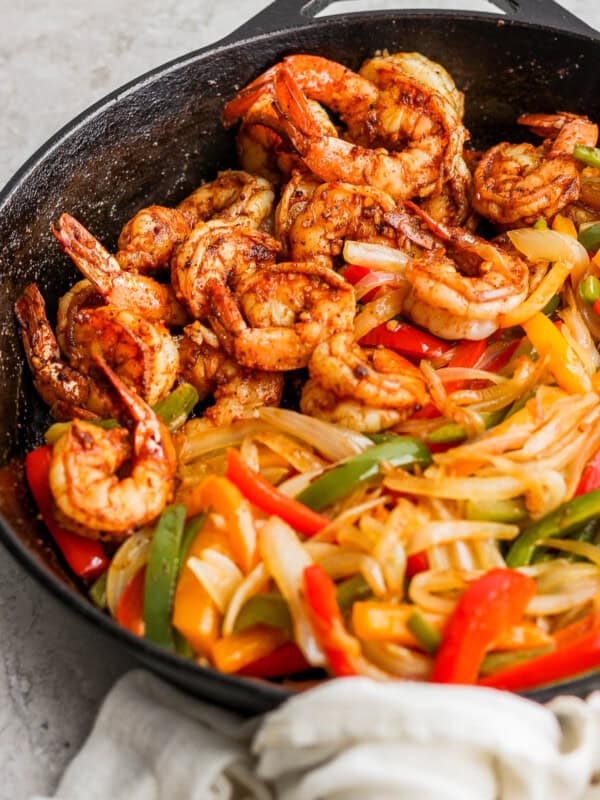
(348, 739)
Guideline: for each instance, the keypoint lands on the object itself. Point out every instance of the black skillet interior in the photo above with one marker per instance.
(156, 139)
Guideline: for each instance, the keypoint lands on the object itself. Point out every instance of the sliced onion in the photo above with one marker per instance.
(301, 459)
(550, 285)
(286, 560)
(341, 563)
(297, 483)
(448, 374)
(435, 533)
(425, 588)
(131, 556)
(400, 661)
(551, 246)
(332, 441)
(589, 551)
(495, 488)
(374, 280)
(375, 256)
(218, 574)
(380, 310)
(198, 437)
(256, 581)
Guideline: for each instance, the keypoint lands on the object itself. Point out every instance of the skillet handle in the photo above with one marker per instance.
(285, 14)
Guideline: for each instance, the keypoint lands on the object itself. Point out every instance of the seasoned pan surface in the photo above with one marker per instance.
(159, 137)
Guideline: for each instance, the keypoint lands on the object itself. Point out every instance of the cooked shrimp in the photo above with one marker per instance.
(422, 125)
(84, 473)
(515, 184)
(375, 376)
(318, 402)
(139, 293)
(218, 253)
(282, 312)
(338, 211)
(81, 295)
(233, 193)
(142, 353)
(147, 241)
(237, 391)
(459, 289)
(452, 205)
(295, 196)
(65, 389)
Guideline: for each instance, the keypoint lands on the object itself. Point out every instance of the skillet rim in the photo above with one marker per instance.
(258, 693)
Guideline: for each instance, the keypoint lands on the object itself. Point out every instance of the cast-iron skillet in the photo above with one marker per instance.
(157, 138)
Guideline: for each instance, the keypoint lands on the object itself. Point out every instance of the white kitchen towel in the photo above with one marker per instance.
(348, 739)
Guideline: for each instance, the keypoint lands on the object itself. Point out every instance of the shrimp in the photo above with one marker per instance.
(374, 376)
(218, 253)
(81, 295)
(338, 211)
(147, 241)
(295, 196)
(63, 388)
(452, 205)
(515, 184)
(459, 289)
(237, 391)
(281, 313)
(139, 293)
(232, 194)
(318, 402)
(142, 353)
(86, 461)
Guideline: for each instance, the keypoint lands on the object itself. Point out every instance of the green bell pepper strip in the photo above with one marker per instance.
(589, 237)
(173, 411)
(161, 576)
(380, 438)
(350, 591)
(589, 533)
(451, 432)
(97, 591)
(540, 224)
(497, 661)
(191, 530)
(551, 305)
(567, 518)
(426, 635)
(589, 289)
(589, 155)
(265, 609)
(340, 481)
(510, 510)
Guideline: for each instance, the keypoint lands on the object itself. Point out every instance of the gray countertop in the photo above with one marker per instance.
(56, 59)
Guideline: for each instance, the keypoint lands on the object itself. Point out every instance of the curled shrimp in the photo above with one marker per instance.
(452, 204)
(148, 240)
(237, 391)
(518, 183)
(142, 353)
(281, 313)
(460, 287)
(81, 295)
(140, 293)
(84, 472)
(374, 376)
(218, 253)
(322, 404)
(338, 211)
(295, 196)
(63, 388)
(233, 193)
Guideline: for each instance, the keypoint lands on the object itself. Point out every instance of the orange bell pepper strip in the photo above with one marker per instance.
(269, 499)
(130, 608)
(223, 497)
(564, 363)
(383, 621)
(487, 608)
(562, 224)
(233, 653)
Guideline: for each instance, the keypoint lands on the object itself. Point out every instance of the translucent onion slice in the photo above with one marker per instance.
(434, 533)
(341, 563)
(426, 587)
(198, 437)
(550, 285)
(380, 310)
(577, 332)
(131, 556)
(448, 374)
(375, 280)
(302, 459)
(332, 441)
(551, 246)
(375, 256)
(255, 582)
(398, 660)
(218, 574)
(493, 488)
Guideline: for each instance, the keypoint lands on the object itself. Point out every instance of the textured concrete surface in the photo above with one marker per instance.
(56, 59)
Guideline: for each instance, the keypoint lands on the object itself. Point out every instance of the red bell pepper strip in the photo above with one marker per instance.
(487, 608)
(503, 358)
(590, 477)
(269, 499)
(328, 622)
(286, 660)
(467, 353)
(354, 273)
(596, 307)
(406, 340)
(417, 562)
(130, 608)
(84, 556)
(573, 658)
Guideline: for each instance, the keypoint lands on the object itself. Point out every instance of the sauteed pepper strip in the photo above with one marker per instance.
(333, 485)
(563, 361)
(487, 608)
(406, 340)
(85, 556)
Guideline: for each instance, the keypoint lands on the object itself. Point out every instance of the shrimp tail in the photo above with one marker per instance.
(297, 124)
(239, 106)
(86, 252)
(137, 409)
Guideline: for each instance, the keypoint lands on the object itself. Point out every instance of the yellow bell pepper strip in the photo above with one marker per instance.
(550, 285)
(223, 497)
(565, 519)
(386, 621)
(161, 576)
(562, 224)
(490, 605)
(195, 614)
(269, 499)
(233, 653)
(564, 362)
